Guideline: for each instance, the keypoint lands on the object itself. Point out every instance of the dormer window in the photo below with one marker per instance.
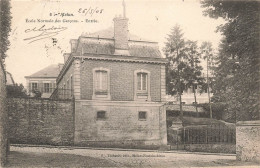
(101, 84)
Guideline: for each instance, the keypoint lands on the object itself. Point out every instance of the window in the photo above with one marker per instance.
(101, 115)
(101, 81)
(46, 88)
(142, 85)
(34, 86)
(142, 81)
(142, 115)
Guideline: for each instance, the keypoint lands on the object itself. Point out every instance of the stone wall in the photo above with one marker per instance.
(40, 121)
(3, 116)
(121, 79)
(121, 126)
(248, 138)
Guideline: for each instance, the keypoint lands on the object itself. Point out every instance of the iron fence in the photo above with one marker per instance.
(210, 134)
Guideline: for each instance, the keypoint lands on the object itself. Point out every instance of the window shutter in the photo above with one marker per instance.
(96, 82)
(139, 81)
(40, 88)
(30, 87)
(104, 80)
(144, 81)
(50, 89)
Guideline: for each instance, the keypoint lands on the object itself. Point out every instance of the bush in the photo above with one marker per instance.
(217, 109)
(16, 90)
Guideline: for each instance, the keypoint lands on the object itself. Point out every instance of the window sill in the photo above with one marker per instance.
(141, 119)
(101, 97)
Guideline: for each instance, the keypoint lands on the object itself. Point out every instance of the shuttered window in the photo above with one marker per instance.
(46, 88)
(34, 86)
(101, 82)
(142, 81)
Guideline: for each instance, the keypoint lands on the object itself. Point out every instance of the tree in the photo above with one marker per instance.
(193, 70)
(237, 75)
(16, 90)
(183, 69)
(207, 54)
(174, 51)
(5, 24)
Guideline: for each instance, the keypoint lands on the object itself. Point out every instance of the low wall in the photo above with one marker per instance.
(121, 126)
(248, 138)
(40, 121)
(211, 148)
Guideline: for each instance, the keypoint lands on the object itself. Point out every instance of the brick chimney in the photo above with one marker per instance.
(121, 35)
(60, 66)
(66, 56)
(73, 44)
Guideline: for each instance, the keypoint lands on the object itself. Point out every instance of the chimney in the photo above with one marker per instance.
(121, 35)
(66, 56)
(73, 44)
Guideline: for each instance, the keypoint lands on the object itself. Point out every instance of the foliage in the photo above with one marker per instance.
(5, 24)
(16, 90)
(37, 93)
(174, 51)
(183, 69)
(237, 76)
(217, 109)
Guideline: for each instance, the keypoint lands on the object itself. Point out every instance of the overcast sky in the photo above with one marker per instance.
(147, 19)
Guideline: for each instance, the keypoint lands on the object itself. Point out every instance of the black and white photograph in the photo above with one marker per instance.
(130, 83)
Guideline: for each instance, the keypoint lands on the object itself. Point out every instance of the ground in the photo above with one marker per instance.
(79, 157)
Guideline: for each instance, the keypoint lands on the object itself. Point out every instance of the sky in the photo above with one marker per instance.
(151, 20)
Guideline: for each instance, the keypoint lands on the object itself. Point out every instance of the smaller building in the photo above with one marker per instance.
(188, 96)
(43, 81)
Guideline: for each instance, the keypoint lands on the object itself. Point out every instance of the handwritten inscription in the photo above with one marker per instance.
(90, 11)
(61, 14)
(44, 32)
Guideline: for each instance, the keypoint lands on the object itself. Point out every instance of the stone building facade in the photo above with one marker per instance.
(43, 81)
(118, 82)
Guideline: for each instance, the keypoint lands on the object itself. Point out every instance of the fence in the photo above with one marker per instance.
(210, 134)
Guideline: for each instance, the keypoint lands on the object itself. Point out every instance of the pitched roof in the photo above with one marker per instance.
(51, 71)
(102, 42)
(109, 34)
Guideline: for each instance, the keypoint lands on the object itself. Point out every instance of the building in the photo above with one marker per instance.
(43, 81)
(118, 82)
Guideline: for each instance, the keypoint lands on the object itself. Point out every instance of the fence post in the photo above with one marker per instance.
(184, 136)
(206, 135)
(188, 139)
(219, 138)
